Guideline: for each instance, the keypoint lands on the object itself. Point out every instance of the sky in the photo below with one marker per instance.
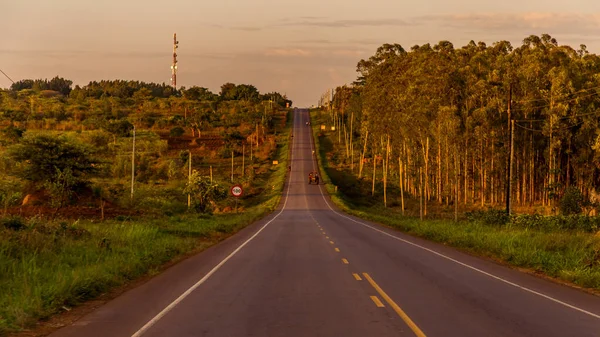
(300, 48)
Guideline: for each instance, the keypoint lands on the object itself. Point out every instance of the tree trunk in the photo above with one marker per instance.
(456, 184)
(439, 173)
(362, 158)
(374, 170)
(447, 185)
(426, 157)
(385, 171)
(401, 183)
(466, 175)
(421, 193)
(352, 142)
(346, 145)
(482, 176)
(492, 197)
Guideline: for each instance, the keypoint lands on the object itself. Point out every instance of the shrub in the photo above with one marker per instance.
(571, 202)
(177, 131)
(574, 222)
(494, 217)
(13, 223)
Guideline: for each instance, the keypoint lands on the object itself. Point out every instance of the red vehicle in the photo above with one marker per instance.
(313, 177)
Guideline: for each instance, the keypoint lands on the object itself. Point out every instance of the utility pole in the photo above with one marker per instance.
(510, 153)
(189, 178)
(174, 65)
(133, 163)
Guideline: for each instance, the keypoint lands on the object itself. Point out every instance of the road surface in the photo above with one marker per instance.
(310, 270)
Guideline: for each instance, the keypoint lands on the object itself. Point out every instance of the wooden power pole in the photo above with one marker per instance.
(510, 152)
(133, 163)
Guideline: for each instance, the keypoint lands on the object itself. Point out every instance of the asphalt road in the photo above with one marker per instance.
(310, 270)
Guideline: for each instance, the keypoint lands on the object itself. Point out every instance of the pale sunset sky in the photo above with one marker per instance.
(296, 47)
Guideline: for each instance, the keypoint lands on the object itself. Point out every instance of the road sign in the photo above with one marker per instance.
(237, 191)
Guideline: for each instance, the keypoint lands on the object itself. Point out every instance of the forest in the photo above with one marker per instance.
(441, 124)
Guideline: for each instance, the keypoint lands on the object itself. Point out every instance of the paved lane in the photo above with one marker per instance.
(309, 270)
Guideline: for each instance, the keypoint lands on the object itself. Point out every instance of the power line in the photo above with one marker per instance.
(561, 118)
(10, 79)
(543, 99)
(537, 130)
(549, 105)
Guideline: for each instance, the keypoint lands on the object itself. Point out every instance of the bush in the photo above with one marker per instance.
(13, 223)
(572, 222)
(494, 217)
(176, 131)
(571, 202)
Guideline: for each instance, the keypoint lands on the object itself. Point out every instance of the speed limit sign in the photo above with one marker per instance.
(237, 191)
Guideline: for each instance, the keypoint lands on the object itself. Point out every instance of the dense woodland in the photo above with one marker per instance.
(439, 118)
(62, 145)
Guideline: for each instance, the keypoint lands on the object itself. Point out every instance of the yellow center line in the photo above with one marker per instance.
(327, 237)
(377, 301)
(337, 250)
(395, 306)
(357, 277)
(331, 242)
(344, 261)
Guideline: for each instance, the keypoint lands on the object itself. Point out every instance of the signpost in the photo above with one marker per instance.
(236, 191)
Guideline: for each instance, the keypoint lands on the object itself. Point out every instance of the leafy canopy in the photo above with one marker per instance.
(45, 158)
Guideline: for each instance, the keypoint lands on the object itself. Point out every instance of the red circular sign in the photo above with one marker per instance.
(237, 191)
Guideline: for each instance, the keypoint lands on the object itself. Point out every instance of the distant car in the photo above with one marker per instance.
(313, 177)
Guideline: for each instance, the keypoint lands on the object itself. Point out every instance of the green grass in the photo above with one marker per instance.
(46, 266)
(569, 255)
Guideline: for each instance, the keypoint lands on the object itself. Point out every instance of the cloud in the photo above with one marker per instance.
(248, 28)
(287, 52)
(540, 22)
(317, 41)
(350, 23)
(326, 23)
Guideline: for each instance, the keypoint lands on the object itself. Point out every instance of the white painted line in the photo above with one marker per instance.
(456, 261)
(178, 300)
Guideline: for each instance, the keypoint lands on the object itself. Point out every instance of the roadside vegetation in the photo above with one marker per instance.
(70, 226)
(422, 142)
(566, 247)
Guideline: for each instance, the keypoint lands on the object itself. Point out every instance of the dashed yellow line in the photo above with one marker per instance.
(395, 306)
(356, 277)
(327, 237)
(344, 261)
(377, 301)
(337, 250)
(331, 242)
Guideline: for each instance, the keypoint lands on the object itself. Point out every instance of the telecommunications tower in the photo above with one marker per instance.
(174, 65)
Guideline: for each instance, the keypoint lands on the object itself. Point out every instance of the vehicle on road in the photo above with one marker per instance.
(313, 177)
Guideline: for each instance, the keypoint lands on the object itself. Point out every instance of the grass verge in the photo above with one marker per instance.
(46, 267)
(571, 256)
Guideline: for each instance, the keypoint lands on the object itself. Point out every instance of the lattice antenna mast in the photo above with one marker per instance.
(174, 65)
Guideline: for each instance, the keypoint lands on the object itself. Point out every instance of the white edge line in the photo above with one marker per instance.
(454, 260)
(178, 300)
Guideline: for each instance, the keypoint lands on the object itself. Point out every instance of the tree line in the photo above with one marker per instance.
(441, 121)
(128, 89)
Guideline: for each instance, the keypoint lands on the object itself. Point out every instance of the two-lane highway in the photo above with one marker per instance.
(310, 270)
